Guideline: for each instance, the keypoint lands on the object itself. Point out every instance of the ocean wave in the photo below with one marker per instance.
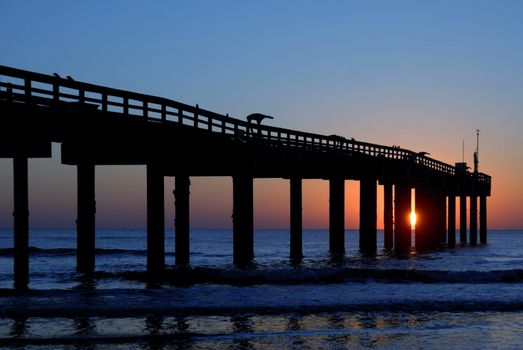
(35, 251)
(233, 276)
(266, 301)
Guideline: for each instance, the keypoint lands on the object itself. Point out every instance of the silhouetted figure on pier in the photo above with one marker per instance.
(338, 140)
(258, 118)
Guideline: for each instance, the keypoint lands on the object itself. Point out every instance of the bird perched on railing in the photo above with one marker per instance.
(257, 117)
(69, 78)
(56, 75)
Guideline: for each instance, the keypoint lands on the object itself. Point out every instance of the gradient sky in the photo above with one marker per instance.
(420, 74)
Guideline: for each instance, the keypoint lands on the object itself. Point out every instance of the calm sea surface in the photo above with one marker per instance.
(464, 298)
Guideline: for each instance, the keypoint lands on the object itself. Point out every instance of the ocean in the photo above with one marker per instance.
(460, 298)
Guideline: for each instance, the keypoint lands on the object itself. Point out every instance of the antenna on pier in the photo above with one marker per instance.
(476, 153)
(463, 151)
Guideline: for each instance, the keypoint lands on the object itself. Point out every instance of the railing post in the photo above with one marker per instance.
(21, 222)
(368, 189)
(104, 102)
(337, 215)
(164, 112)
(223, 124)
(145, 109)
(180, 116)
(388, 220)
(27, 90)
(296, 218)
(56, 90)
(81, 95)
(181, 221)
(125, 105)
(196, 112)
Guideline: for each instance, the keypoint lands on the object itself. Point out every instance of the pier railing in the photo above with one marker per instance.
(22, 86)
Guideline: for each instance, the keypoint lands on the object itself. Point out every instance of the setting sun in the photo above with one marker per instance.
(413, 219)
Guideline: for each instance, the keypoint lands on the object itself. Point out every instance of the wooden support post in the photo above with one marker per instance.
(388, 216)
(368, 190)
(426, 231)
(21, 222)
(473, 219)
(402, 229)
(337, 215)
(181, 221)
(296, 218)
(451, 222)
(442, 216)
(242, 218)
(86, 216)
(155, 221)
(483, 219)
(463, 219)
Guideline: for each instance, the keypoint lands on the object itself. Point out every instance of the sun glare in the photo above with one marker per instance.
(413, 219)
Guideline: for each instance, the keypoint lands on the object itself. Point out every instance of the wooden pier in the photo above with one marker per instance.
(98, 125)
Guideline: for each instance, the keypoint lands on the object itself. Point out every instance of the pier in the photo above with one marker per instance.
(98, 125)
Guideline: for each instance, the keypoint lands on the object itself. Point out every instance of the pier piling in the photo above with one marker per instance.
(388, 220)
(337, 215)
(296, 218)
(21, 222)
(451, 221)
(86, 216)
(368, 217)
(463, 219)
(426, 231)
(402, 229)
(155, 221)
(442, 216)
(483, 219)
(181, 221)
(242, 218)
(473, 219)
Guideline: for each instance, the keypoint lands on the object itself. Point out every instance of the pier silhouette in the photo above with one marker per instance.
(99, 125)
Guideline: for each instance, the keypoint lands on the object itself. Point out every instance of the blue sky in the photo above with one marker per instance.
(420, 74)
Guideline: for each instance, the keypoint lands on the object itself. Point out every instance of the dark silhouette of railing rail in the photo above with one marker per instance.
(51, 91)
